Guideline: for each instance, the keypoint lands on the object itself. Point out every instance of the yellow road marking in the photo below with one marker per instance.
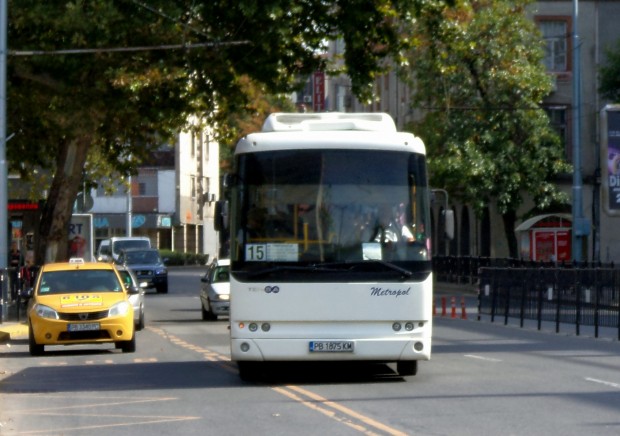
(324, 411)
(316, 399)
(62, 411)
(363, 418)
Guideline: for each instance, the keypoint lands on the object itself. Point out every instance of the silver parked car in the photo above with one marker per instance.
(215, 290)
(136, 300)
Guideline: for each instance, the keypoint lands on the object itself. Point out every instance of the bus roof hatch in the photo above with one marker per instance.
(325, 121)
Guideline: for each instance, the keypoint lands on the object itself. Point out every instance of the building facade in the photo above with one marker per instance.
(172, 198)
(598, 31)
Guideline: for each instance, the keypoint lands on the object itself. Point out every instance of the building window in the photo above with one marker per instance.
(207, 143)
(117, 190)
(147, 185)
(557, 119)
(341, 98)
(555, 32)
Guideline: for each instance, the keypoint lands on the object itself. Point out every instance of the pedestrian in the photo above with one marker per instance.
(15, 261)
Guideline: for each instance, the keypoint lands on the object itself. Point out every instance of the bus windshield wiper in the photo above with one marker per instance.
(340, 266)
(304, 268)
(331, 267)
(405, 272)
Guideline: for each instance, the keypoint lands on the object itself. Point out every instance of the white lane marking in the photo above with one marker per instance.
(487, 359)
(603, 382)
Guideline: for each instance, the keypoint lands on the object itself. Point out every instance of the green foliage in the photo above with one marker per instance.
(610, 75)
(176, 258)
(480, 82)
(236, 124)
(98, 111)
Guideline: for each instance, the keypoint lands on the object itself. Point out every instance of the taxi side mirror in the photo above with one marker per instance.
(133, 290)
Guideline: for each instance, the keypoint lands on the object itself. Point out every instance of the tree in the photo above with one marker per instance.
(479, 79)
(240, 123)
(97, 109)
(610, 74)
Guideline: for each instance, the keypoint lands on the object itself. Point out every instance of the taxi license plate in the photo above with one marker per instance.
(83, 327)
(331, 346)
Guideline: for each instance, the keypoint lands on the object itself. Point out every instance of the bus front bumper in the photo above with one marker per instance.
(372, 350)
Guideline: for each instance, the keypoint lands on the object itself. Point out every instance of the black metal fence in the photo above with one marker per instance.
(569, 294)
(465, 269)
(13, 283)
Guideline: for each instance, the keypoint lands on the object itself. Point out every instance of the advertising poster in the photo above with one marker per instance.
(613, 159)
(318, 90)
(81, 237)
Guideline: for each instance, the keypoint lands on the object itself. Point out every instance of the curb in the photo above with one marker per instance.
(12, 331)
(447, 288)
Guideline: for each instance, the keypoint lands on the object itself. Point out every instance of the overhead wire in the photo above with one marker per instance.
(184, 46)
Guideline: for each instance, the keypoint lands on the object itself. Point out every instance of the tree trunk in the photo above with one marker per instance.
(509, 219)
(53, 242)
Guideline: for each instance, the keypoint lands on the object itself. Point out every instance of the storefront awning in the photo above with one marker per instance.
(531, 222)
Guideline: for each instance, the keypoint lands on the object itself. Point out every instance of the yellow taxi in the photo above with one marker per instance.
(79, 302)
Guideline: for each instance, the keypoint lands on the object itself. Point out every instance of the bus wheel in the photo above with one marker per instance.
(407, 367)
(248, 371)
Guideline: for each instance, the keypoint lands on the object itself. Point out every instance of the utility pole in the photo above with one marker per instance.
(4, 233)
(129, 209)
(581, 227)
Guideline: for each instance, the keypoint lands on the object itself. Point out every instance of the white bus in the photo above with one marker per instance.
(330, 243)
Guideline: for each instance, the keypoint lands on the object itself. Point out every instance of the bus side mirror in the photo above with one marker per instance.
(220, 218)
(228, 180)
(449, 221)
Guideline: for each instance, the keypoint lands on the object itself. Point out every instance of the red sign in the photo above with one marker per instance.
(22, 205)
(318, 91)
(551, 245)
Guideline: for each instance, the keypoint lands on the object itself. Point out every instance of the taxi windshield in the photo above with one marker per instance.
(79, 280)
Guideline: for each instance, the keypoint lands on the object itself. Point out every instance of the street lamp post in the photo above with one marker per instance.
(4, 245)
(580, 224)
(129, 209)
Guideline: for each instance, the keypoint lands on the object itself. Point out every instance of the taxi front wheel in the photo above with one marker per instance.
(34, 348)
(127, 346)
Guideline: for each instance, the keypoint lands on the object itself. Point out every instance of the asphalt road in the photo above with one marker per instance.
(484, 378)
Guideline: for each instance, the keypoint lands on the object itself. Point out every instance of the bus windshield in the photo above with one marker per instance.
(325, 207)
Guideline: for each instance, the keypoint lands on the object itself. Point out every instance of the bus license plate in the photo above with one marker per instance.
(331, 346)
(83, 327)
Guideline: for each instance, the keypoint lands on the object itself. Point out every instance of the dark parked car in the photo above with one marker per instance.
(147, 265)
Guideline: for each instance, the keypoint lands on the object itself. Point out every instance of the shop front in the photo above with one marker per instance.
(545, 238)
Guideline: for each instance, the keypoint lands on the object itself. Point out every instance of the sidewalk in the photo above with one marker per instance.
(13, 330)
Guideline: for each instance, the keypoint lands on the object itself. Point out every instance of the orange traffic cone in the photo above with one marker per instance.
(463, 312)
(453, 307)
